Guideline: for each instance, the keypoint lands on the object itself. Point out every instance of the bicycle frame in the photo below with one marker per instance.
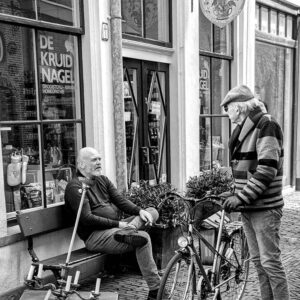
(190, 248)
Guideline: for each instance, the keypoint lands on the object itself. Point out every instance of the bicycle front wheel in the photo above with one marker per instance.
(178, 281)
(237, 269)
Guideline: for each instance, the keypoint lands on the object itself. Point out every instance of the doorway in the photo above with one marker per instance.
(146, 99)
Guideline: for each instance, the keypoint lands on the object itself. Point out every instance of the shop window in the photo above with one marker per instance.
(41, 121)
(274, 76)
(274, 85)
(215, 45)
(64, 12)
(148, 19)
(214, 126)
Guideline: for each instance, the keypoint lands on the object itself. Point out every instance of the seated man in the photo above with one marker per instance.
(100, 225)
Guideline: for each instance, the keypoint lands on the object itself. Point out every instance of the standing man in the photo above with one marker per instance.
(256, 150)
(100, 225)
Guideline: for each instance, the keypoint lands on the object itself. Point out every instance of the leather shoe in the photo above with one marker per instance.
(131, 237)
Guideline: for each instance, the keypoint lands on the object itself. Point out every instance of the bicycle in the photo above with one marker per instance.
(186, 278)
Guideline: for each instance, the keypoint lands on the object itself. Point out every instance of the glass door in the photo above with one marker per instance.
(146, 123)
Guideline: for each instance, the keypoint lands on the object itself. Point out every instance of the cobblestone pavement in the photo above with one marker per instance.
(130, 285)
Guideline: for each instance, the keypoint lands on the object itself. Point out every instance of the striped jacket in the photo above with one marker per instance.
(256, 149)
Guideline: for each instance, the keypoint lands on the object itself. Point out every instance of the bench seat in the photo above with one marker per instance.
(37, 222)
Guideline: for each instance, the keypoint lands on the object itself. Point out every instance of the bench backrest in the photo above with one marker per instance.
(43, 220)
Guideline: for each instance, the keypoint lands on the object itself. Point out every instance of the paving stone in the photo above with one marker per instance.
(130, 285)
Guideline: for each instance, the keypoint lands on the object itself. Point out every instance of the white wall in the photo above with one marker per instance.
(97, 75)
(243, 65)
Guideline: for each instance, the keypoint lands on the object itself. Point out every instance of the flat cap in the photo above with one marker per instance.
(240, 93)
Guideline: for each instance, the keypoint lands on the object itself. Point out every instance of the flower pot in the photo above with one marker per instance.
(164, 243)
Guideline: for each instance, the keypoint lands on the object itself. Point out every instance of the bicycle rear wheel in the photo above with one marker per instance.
(178, 281)
(239, 258)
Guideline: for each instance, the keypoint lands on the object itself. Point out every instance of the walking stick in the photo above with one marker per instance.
(85, 187)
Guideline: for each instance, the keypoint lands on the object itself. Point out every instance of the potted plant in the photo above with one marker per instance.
(172, 213)
(216, 181)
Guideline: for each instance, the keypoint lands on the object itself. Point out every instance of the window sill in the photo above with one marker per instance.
(13, 235)
(163, 54)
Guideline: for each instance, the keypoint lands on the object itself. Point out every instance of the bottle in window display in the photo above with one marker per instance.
(14, 169)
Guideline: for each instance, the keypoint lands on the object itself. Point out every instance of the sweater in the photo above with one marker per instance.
(102, 207)
(256, 149)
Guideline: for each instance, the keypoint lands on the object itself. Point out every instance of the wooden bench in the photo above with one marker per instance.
(34, 223)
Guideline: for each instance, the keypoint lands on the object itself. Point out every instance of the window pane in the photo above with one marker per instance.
(17, 75)
(58, 70)
(20, 149)
(204, 85)
(62, 142)
(220, 83)
(24, 8)
(289, 27)
(205, 145)
(59, 11)
(219, 141)
(264, 19)
(281, 25)
(205, 32)
(273, 23)
(222, 40)
(131, 116)
(257, 17)
(133, 17)
(157, 20)
(274, 85)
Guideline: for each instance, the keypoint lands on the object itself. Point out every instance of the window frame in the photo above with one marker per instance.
(227, 57)
(39, 122)
(37, 24)
(152, 41)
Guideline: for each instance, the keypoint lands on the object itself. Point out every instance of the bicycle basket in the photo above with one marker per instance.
(203, 210)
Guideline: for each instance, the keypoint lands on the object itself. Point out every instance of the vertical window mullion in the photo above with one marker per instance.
(40, 117)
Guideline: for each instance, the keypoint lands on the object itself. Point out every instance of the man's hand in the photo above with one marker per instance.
(231, 203)
(146, 217)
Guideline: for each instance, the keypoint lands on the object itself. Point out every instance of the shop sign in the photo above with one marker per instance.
(56, 63)
(221, 12)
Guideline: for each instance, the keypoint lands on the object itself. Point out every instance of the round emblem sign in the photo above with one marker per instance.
(221, 12)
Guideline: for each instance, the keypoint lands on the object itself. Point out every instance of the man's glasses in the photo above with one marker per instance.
(225, 108)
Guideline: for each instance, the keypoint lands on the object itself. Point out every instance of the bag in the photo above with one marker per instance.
(31, 195)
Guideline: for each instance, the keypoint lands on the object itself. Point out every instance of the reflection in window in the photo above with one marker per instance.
(58, 11)
(24, 8)
(146, 18)
(222, 37)
(274, 79)
(205, 32)
(64, 12)
(17, 75)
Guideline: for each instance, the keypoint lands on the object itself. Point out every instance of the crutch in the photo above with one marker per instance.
(85, 187)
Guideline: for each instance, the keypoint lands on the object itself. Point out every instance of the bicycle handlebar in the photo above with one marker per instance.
(213, 198)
